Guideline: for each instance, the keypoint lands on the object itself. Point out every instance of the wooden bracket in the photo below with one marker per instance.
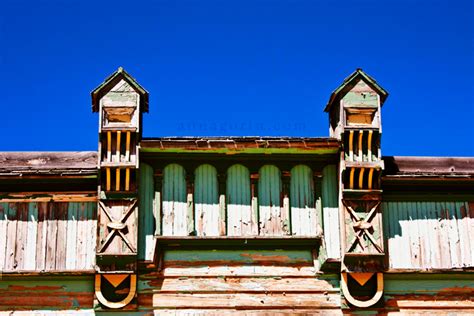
(361, 227)
(361, 278)
(117, 226)
(115, 280)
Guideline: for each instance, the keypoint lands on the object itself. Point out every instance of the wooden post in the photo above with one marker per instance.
(109, 146)
(107, 172)
(369, 147)
(127, 148)
(361, 178)
(371, 174)
(117, 150)
(351, 145)
(117, 179)
(127, 179)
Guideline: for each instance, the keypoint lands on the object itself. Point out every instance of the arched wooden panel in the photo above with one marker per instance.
(206, 198)
(240, 219)
(147, 218)
(174, 201)
(330, 209)
(303, 210)
(273, 219)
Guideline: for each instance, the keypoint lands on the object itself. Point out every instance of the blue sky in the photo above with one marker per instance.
(238, 68)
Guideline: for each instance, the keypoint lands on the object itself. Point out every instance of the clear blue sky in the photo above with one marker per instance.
(238, 68)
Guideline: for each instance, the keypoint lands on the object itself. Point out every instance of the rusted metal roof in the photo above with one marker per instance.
(48, 163)
(402, 167)
(285, 144)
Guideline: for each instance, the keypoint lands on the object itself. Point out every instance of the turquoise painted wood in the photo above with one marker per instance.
(273, 221)
(302, 201)
(150, 221)
(429, 234)
(282, 256)
(174, 221)
(331, 212)
(206, 201)
(240, 219)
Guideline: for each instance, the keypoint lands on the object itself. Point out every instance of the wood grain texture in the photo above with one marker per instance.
(428, 235)
(47, 237)
(48, 162)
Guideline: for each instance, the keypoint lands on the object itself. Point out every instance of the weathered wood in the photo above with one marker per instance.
(48, 162)
(21, 235)
(20, 197)
(62, 215)
(240, 284)
(241, 271)
(10, 263)
(3, 233)
(47, 294)
(270, 203)
(206, 201)
(176, 201)
(248, 301)
(32, 226)
(43, 209)
(118, 219)
(429, 235)
(71, 241)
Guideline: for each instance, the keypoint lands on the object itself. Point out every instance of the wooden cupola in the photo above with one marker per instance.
(356, 104)
(121, 100)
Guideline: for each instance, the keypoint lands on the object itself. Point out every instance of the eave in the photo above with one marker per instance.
(241, 145)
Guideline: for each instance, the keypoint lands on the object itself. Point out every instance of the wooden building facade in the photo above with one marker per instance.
(236, 225)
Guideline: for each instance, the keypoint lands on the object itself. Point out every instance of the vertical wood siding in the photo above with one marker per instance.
(429, 235)
(148, 218)
(332, 239)
(206, 199)
(47, 236)
(241, 221)
(303, 207)
(174, 201)
(273, 219)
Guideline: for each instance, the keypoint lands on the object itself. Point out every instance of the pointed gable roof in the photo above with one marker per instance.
(350, 81)
(111, 81)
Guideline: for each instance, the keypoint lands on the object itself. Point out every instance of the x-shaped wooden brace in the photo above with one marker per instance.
(117, 226)
(363, 225)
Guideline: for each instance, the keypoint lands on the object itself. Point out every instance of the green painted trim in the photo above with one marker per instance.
(245, 256)
(253, 151)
